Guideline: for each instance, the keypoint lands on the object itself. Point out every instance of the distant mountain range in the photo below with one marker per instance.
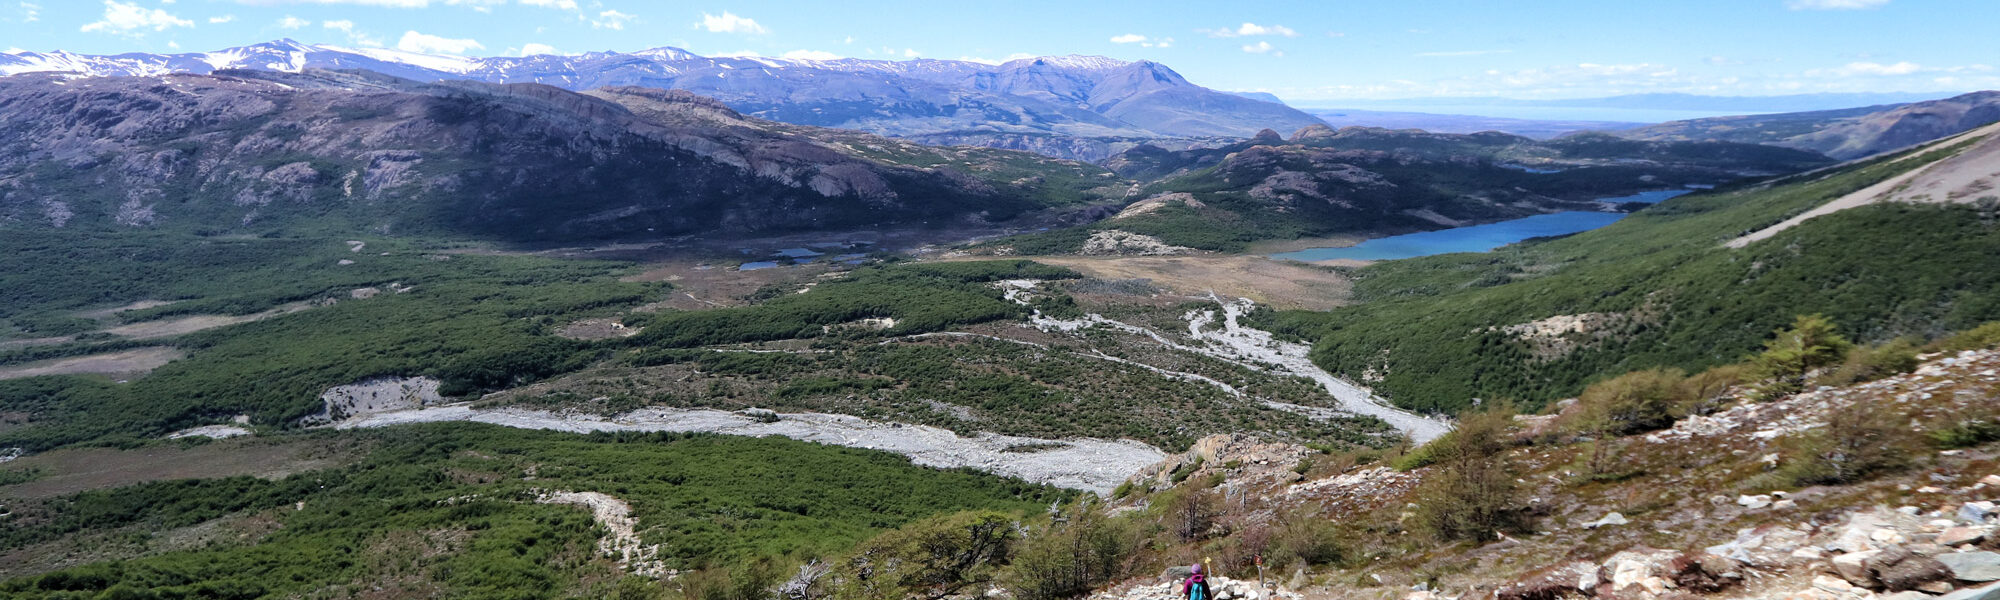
(1698, 102)
(1845, 133)
(1083, 107)
(245, 151)
(1540, 129)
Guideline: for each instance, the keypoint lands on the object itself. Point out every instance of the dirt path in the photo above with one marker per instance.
(134, 362)
(1085, 464)
(1964, 177)
(623, 542)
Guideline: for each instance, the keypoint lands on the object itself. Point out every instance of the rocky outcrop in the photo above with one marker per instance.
(1112, 242)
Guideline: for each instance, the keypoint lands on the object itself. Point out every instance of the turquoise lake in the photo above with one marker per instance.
(1477, 238)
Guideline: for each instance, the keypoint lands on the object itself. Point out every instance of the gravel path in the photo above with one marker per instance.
(1254, 349)
(1085, 464)
(1256, 346)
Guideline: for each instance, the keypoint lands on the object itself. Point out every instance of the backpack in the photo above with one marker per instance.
(1198, 591)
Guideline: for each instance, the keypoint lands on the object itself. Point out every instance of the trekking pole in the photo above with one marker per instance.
(1260, 574)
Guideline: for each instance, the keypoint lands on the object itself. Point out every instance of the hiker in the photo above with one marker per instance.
(1196, 586)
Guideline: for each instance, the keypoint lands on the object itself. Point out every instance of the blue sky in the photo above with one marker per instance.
(1302, 50)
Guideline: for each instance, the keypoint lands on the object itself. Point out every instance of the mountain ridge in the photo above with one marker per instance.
(1088, 97)
(250, 150)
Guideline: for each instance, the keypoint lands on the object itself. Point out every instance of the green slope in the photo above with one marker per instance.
(450, 511)
(1428, 328)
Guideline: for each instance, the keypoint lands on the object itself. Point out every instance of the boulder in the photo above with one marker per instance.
(1900, 570)
(1892, 568)
(1972, 566)
(1562, 581)
(1853, 567)
(1610, 519)
(1990, 592)
(1976, 512)
(1754, 502)
(1634, 566)
(1704, 573)
(1955, 536)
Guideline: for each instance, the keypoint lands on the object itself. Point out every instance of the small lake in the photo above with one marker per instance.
(1477, 238)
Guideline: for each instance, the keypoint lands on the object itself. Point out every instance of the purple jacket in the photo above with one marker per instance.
(1187, 587)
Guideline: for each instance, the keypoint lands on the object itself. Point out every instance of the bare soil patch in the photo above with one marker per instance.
(74, 470)
(1279, 284)
(127, 363)
(596, 329)
(699, 286)
(106, 314)
(184, 325)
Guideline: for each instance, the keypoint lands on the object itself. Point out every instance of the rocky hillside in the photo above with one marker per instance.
(1322, 181)
(259, 151)
(1845, 134)
(1706, 506)
(1093, 104)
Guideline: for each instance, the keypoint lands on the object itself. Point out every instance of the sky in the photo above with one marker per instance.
(1301, 50)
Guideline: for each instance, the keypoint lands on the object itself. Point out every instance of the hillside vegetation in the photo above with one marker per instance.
(1323, 182)
(1536, 322)
(463, 511)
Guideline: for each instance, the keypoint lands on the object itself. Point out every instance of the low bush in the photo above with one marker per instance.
(931, 559)
(1985, 336)
(1471, 494)
(1811, 343)
(1069, 556)
(1856, 443)
(1869, 363)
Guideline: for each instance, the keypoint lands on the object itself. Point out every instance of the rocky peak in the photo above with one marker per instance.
(1313, 132)
(1267, 137)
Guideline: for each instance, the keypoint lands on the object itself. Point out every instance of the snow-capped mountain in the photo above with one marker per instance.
(1071, 106)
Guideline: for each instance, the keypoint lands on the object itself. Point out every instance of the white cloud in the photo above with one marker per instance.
(534, 49)
(611, 19)
(387, 3)
(911, 53)
(1462, 53)
(419, 42)
(730, 23)
(811, 55)
(1143, 41)
(1250, 29)
(354, 37)
(1833, 4)
(478, 5)
(221, 19)
(849, 40)
(173, 44)
(132, 19)
(1868, 69)
(30, 12)
(1262, 48)
(291, 22)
